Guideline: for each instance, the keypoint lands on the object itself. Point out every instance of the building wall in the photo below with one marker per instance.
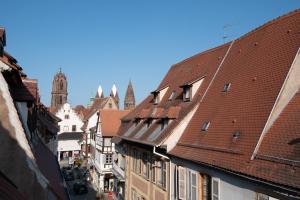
(73, 119)
(144, 188)
(230, 186)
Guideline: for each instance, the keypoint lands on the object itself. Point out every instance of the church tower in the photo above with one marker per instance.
(59, 90)
(129, 102)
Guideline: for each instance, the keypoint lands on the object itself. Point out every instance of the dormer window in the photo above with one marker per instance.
(164, 123)
(187, 93)
(137, 121)
(191, 88)
(158, 95)
(171, 97)
(149, 122)
(226, 87)
(156, 98)
(205, 126)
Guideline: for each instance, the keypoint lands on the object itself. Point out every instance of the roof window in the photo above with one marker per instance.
(205, 126)
(187, 93)
(171, 97)
(226, 87)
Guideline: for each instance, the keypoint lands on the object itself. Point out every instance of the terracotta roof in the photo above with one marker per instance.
(111, 121)
(256, 67)
(28, 91)
(201, 65)
(81, 111)
(98, 103)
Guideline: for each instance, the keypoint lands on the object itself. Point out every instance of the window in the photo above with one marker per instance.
(156, 97)
(205, 126)
(192, 184)
(136, 161)
(61, 85)
(187, 93)
(66, 128)
(162, 175)
(164, 123)
(181, 183)
(206, 186)
(149, 122)
(146, 165)
(107, 142)
(172, 96)
(153, 168)
(67, 116)
(60, 99)
(59, 128)
(226, 87)
(215, 189)
(108, 159)
(73, 128)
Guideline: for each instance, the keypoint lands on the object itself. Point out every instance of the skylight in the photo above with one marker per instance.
(205, 126)
(226, 87)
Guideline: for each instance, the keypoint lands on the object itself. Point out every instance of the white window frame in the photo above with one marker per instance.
(213, 195)
(181, 181)
(190, 184)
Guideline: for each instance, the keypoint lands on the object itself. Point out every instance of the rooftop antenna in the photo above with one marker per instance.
(225, 34)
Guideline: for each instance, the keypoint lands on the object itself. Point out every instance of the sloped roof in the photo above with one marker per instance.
(70, 136)
(111, 121)
(49, 166)
(98, 103)
(256, 67)
(28, 91)
(201, 65)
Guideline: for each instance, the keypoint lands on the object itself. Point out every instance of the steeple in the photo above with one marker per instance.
(129, 102)
(59, 90)
(114, 94)
(99, 93)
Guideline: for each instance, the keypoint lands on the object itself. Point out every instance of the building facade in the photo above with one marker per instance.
(209, 130)
(70, 134)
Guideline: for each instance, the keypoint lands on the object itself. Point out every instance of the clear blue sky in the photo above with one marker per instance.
(109, 41)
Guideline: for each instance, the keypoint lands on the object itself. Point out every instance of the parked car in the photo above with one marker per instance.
(80, 187)
(69, 176)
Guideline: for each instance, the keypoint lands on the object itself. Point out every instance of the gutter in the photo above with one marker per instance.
(166, 157)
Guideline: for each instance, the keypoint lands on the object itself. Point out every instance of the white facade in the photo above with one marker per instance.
(71, 123)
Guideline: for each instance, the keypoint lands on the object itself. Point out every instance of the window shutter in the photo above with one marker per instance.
(215, 189)
(182, 182)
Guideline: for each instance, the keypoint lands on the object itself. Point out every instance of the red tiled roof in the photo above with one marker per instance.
(256, 67)
(28, 91)
(111, 121)
(201, 65)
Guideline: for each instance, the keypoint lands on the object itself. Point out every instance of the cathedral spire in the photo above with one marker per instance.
(99, 92)
(114, 94)
(129, 102)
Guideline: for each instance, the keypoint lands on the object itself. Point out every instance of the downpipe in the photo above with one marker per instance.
(167, 158)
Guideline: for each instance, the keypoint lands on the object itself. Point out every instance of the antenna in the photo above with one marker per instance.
(225, 34)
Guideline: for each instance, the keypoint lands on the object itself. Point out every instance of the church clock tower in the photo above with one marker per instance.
(59, 90)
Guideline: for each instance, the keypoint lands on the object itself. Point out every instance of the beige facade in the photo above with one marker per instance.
(146, 174)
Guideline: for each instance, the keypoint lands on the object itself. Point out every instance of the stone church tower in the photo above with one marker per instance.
(59, 91)
(114, 94)
(129, 102)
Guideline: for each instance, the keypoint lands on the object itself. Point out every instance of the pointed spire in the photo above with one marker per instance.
(114, 91)
(114, 94)
(129, 102)
(99, 92)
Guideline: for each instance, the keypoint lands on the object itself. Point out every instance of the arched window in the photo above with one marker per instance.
(61, 85)
(60, 99)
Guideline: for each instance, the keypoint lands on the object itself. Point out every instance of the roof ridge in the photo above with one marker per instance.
(269, 23)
